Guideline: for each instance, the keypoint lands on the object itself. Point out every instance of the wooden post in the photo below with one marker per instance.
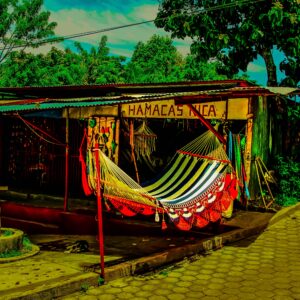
(131, 136)
(67, 164)
(248, 147)
(117, 141)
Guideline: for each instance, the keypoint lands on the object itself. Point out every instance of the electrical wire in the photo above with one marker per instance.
(75, 35)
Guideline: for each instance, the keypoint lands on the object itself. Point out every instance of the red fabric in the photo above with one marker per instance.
(164, 225)
(217, 206)
(86, 188)
(232, 189)
(214, 215)
(182, 224)
(226, 200)
(137, 207)
(147, 211)
(200, 221)
(123, 209)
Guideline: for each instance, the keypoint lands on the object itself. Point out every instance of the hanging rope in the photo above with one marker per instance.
(206, 146)
(85, 185)
(33, 128)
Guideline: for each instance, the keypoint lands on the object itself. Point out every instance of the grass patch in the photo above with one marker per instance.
(11, 253)
(6, 232)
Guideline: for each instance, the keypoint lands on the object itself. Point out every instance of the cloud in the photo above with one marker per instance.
(256, 68)
(121, 41)
(44, 49)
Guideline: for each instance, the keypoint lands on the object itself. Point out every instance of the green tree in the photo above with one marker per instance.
(291, 67)
(157, 60)
(235, 32)
(22, 24)
(60, 67)
(57, 67)
(21, 69)
(194, 69)
(63, 67)
(101, 67)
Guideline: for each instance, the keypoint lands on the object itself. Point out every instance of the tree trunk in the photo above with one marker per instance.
(260, 140)
(270, 65)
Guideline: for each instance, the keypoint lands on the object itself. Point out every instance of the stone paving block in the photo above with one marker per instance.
(264, 294)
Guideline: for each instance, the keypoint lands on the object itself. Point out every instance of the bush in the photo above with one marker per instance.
(288, 181)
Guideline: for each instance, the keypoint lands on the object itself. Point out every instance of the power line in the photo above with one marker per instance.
(75, 35)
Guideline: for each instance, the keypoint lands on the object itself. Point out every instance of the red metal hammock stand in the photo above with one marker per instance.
(206, 123)
(99, 208)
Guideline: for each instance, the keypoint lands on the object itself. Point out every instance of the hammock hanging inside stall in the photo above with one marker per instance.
(193, 190)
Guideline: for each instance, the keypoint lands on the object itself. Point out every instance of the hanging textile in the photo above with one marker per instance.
(236, 143)
(144, 143)
(193, 190)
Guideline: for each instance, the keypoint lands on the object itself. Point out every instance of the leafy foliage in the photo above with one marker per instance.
(55, 68)
(99, 66)
(10, 253)
(155, 61)
(59, 67)
(22, 23)
(235, 34)
(291, 67)
(158, 60)
(289, 182)
(194, 69)
(6, 232)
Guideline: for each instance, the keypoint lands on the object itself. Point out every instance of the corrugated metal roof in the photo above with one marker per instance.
(59, 105)
(284, 90)
(116, 89)
(180, 98)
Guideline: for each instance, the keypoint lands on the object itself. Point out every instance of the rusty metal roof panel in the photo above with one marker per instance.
(58, 105)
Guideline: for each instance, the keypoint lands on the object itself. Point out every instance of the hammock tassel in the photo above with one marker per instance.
(163, 223)
(107, 206)
(156, 216)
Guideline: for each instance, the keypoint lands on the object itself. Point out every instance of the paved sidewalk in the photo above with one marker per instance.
(265, 267)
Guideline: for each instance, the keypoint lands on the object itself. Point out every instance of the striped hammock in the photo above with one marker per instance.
(194, 189)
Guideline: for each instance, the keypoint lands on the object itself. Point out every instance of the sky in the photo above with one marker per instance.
(77, 16)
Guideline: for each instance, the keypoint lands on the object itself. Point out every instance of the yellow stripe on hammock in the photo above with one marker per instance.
(168, 187)
(190, 182)
(220, 167)
(167, 174)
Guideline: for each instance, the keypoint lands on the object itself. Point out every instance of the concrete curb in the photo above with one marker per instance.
(54, 289)
(284, 212)
(151, 262)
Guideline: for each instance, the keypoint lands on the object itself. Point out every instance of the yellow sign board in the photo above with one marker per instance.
(237, 110)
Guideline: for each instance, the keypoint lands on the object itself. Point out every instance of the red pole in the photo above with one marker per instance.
(67, 164)
(99, 206)
(207, 124)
